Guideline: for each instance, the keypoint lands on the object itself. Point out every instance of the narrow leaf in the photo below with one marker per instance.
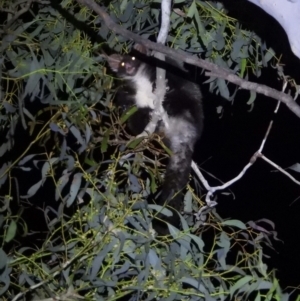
(192, 10)
(235, 223)
(11, 232)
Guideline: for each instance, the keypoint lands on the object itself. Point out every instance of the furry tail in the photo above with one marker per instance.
(181, 133)
(176, 178)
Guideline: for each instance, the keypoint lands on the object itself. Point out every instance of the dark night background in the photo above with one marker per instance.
(229, 142)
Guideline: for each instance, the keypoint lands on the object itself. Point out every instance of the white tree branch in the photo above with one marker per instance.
(165, 21)
(287, 13)
(158, 112)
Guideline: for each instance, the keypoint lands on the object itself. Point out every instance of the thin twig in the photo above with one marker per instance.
(279, 168)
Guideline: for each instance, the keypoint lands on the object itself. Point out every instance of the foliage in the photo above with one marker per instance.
(66, 157)
(102, 255)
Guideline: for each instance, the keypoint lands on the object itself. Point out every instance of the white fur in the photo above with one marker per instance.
(180, 132)
(144, 96)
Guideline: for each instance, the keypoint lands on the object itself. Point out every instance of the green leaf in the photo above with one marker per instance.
(199, 242)
(47, 165)
(3, 174)
(154, 260)
(33, 189)
(128, 113)
(123, 5)
(200, 26)
(295, 167)
(162, 210)
(223, 88)
(219, 38)
(243, 65)
(125, 15)
(252, 97)
(3, 259)
(192, 10)
(240, 283)
(236, 48)
(62, 182)
(11, 231)
(235, 223)
(153, 184)
(76, 182)
(188, 202)
(269, 55)
(195, 283)
(104, 142)
(133, 143)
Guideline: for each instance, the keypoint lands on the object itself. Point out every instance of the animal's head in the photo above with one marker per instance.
(124, 65)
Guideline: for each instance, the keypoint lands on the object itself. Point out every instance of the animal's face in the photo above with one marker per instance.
(124, 65)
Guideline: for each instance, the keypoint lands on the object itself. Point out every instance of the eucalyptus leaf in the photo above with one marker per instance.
(295, 167)
(62, 182)
(97, 262)
(33, 189)
(104, 143)
(126, 11)
(240, 284)
(223, 88)
(11, 231)
(195, 283)
(3, 259)
(235, 223)
(9, 108)
(3, 174)
(75, 185)
(192, 10)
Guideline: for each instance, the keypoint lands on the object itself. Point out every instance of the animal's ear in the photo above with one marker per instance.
(114, 61)
(141, 48)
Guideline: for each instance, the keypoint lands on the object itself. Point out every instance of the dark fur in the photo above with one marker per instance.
(183, 104)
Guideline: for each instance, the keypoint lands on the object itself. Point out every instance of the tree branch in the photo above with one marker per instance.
(287, 14)
(177, 55)
(257, 154)
(160, 91)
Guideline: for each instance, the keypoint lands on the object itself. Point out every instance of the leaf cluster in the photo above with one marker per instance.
(66, 156)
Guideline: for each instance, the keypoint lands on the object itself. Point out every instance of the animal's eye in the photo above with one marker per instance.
(122, 64)
(133, 58)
